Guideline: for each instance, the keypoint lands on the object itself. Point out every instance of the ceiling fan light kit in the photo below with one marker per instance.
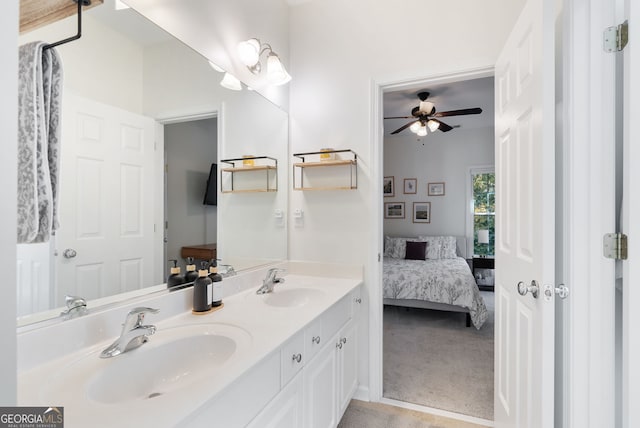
(424, 116)
(249, 52)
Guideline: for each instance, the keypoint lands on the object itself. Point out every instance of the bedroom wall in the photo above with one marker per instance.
(438, 157)
(338, 50)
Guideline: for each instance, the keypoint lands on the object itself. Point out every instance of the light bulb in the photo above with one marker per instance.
(415, 126)
(433, 125)
(422, 131)
(230, 81)
(276, 74)
(249, 52)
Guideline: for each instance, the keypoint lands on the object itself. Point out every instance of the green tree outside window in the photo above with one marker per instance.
(484, 211)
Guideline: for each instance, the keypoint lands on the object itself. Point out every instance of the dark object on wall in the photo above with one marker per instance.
(211, 194)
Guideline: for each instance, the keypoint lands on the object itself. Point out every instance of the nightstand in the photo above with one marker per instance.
(483, 269)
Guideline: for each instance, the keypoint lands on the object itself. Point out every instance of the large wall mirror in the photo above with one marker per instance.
(144, 120)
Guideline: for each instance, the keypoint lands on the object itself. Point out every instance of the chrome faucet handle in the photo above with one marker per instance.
(272, 274)
(76, 306)
(135, 317)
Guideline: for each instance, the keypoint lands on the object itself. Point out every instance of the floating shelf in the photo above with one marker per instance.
(270, 170)
(316, 162)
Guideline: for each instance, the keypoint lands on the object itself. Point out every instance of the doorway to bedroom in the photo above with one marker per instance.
(438, 225)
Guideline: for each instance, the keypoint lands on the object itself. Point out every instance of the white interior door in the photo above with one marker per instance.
(106, 238)
(525, 181)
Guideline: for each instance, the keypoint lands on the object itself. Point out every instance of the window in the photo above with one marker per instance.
(483, 185)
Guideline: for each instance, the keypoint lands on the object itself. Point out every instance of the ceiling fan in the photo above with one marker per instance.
(424, 115)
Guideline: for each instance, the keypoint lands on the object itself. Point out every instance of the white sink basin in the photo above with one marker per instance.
(290, 298)
(172, 359)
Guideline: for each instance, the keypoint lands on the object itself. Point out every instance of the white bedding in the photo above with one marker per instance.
(446, 281)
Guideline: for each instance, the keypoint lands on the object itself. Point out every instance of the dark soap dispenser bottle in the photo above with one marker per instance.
(202, 291)
(175, 278)
(191, 274)
(216, 278)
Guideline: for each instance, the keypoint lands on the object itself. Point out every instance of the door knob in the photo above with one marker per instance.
(562, 291)
(69, 253)
(533, 289)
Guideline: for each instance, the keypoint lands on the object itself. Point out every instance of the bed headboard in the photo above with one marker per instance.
(462, 247)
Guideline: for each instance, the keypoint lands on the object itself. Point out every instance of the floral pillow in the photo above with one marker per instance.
(395, 247)
(433, 246)
(440, 247)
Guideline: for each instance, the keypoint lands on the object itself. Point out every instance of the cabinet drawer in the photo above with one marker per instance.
(293, 357)
(314, 339)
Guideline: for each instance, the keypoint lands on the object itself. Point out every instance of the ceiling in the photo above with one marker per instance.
(445, 96)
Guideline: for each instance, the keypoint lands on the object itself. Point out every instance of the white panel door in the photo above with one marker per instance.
(525, 181)
(106, 202)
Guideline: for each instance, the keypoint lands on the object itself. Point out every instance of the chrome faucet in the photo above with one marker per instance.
(229, 271)
(76, 306)
(270, 280)
(133, 335)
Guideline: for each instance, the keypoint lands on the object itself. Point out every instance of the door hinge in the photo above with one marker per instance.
(614, 246)
(616, 38)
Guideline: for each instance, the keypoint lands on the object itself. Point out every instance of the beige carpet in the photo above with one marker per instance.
(432, 359)
(361, 414)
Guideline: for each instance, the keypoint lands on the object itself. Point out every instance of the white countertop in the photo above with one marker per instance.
(268, 328)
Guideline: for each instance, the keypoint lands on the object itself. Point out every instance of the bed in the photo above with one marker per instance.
(434, 278)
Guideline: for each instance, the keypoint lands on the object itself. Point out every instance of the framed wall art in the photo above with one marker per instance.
(410, 185)
(394, 210)
(435, 189)
(422, 212)
(388, 187)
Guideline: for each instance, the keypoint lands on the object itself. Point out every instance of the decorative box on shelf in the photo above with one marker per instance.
(249, 174)
(322, 170)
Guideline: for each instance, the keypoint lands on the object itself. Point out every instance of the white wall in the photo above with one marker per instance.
(438, 157)
(191, 148)
(337, 50)
(8, 178)
(102, 65)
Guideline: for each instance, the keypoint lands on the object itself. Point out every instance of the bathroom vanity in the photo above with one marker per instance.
(285, 359)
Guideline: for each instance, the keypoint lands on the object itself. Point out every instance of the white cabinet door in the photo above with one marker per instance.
(285, 410)
(320, 390)
(347, 355)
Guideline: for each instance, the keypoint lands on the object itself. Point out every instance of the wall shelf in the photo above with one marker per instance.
(253, 183)
(312, 160)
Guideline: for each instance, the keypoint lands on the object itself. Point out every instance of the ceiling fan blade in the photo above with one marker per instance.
(402, 128)
(399, 117)
(443, 126)
(461, 112)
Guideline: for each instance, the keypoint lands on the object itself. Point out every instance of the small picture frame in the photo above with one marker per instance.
(435, 189)
(388, 187)
(422, 212)
(410, 185)
(394, 210)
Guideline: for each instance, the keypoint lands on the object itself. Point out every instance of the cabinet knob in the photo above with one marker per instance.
(297, 358)
(339, 345)
(358, 300)
(343, 340)
(316, 340)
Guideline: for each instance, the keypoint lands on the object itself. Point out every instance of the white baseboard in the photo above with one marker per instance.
(362, 394)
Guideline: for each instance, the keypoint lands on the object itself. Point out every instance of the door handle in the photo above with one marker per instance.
(562, 291)
(69, 253)
(534, 289)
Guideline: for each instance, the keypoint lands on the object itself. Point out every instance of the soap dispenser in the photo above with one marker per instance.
(216, 278)
(202, 291)
(175, 278)
(191, 274)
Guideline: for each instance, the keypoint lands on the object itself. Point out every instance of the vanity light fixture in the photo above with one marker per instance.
(230, 81)
(216, 67)
(250, 51)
